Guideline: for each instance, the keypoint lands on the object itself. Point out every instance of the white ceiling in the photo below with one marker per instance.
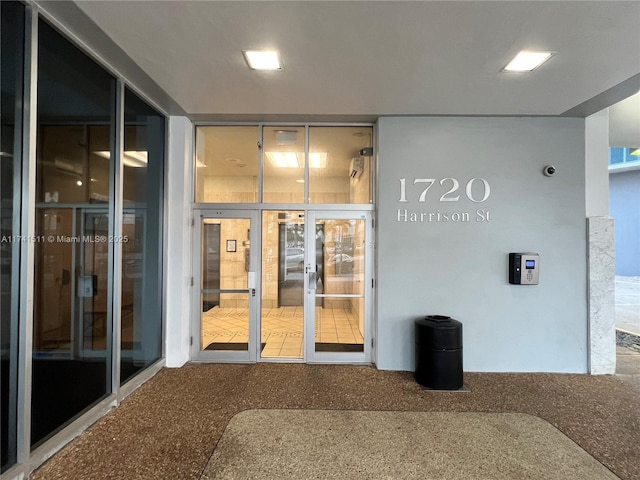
(374, 58)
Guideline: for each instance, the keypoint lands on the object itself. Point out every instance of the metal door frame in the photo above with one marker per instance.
(254, 290)
(310, 355)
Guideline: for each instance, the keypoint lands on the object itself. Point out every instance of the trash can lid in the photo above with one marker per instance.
(439, 321)
(438, 332)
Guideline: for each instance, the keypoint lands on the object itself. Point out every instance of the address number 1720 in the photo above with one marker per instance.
(422, 185)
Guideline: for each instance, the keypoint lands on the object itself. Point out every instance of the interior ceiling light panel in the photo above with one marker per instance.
(527, 61)
(263, 59)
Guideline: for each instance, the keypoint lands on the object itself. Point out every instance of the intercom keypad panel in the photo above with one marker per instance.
(524, 268)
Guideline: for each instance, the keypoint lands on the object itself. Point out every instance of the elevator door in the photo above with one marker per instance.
(291, 263)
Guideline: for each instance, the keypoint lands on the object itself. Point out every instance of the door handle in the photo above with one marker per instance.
(312, 280)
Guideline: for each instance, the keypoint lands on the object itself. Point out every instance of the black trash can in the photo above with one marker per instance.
(439, 352)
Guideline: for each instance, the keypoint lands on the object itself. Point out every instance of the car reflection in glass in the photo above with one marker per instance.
(294, 259)
(339, 258)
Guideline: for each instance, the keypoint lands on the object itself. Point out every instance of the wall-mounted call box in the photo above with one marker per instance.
(524, 268)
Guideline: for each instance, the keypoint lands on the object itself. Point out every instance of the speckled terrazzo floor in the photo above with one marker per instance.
(169, 427)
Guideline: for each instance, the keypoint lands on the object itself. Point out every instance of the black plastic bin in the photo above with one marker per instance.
(439, 352)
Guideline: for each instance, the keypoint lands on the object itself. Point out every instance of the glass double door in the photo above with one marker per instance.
(300, 295)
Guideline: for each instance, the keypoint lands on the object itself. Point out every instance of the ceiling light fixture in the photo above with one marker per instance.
(131, 158)
(283, 159)
(527, 61)
(296, 159)
(263, 59)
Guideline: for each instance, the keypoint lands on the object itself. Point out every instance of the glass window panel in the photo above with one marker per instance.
(225, 297)
(282, 284)
(616, 155)
(12, 54)
(340, 319)
(227, 164)
(71, 361)
(338, 173)
(143, 166)
(284, 160)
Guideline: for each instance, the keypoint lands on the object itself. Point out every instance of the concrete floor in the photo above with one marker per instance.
(628, 365)
(346, 445)
(628, 321)
(628, 304)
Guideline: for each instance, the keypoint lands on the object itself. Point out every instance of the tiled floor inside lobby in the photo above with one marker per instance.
(282, 328)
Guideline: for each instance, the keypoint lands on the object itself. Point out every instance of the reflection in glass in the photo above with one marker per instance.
(225, 300)
(142, 170)
(340, 321)
(341, 174)
(284, 161)
(227, 164)
(71, 361)
(12, 51)
(283, 273)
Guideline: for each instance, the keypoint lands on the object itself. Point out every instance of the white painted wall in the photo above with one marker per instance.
(597, 164)
(178, 271)
(460, 269)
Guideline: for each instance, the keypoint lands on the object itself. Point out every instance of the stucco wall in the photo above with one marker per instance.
(436, 265)
(624, 191)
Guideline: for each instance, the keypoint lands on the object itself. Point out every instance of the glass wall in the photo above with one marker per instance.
(284, 165)
(338, 173)
(142, 172)
(11, 53)
(72, 243)
(71, 326)
(228, 169)
(227, 164)
(624, 157)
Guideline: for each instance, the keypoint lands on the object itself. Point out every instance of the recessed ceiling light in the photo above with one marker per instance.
(131, 158)
(296, 159)
(263, 59)
(527, 61)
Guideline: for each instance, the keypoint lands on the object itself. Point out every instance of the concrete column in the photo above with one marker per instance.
(601, 251)
(178, 241)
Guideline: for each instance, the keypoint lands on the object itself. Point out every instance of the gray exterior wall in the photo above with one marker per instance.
(624, 206)
(460, 268)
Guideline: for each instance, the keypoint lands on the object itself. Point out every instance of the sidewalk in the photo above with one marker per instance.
(628, 329)
(628, 304)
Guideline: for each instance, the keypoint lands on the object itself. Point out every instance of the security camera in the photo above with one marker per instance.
(549, 170)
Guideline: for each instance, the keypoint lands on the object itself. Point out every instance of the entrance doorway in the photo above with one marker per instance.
(301, 295)
(225, 274)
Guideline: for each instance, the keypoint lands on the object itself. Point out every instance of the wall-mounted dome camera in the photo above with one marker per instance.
(549, 170)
